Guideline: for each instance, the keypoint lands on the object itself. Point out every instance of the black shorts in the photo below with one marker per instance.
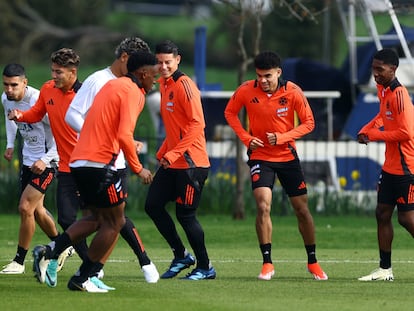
(99, 187)
(184, 186)
(290, 175)
(396, 190)
(39, 182)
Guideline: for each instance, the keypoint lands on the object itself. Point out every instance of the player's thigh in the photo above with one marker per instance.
(162, 188)
(30, 199)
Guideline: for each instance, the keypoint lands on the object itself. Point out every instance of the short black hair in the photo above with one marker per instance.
(267, 60)
(14, 70)
(387, 56)
(130, 45)
(167, 47)
(140, 59)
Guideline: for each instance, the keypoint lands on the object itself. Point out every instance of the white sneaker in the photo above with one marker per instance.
(86, 286)
(379, 274)
(13, 268)
(98, 283)
(150, 273)
(40, 263)
(69, 252)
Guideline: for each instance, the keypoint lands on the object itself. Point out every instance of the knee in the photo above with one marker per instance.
(25, 209)
(185, 216)
(263, 209)
(119, 223)
(405, 222)
(383, 216)
(152, 210)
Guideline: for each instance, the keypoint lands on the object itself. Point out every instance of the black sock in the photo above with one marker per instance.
(310, 251)
(95, 269)
(20, 255)
(179, 254)
(131, 236)
(86, 268)
(61, 243)
(385, 259)
(266, 250)
(53, 238)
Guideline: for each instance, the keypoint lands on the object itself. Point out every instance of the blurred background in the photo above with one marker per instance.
(326, 45)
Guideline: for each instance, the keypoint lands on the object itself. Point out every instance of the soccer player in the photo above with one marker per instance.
(39, 161)
(184, 166)
(54, 99)
(75, 116)
(271, 104)
(394, 125)
(108, 128)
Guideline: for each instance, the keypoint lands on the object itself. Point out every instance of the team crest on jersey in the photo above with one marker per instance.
(171, 96)
(283, 101)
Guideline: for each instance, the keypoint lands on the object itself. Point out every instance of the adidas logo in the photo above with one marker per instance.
(254, 100)
(401, 200)
(302, 185)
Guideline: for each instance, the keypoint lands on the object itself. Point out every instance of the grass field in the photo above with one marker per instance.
(346, 250)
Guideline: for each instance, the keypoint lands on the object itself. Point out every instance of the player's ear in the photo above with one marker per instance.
(279, 72)
(124, 57)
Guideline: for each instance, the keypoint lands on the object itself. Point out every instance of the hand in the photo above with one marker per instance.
(146, 176)
(14, 115)
(164, 163)
(363, 139)
(256, 143)
(271, 138)
(38, 167)
(138, 146)
(8, 154)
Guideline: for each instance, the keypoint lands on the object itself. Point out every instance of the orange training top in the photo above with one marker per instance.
(273, 113)
(55, 103)
(182, 114)
(110, 123)
(396, 115)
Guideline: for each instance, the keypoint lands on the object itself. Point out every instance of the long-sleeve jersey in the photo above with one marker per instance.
(396, 116)
(55, 102)
(109, 125)
(182, 114)
(38, 141)
(82, 102)
(272, 113)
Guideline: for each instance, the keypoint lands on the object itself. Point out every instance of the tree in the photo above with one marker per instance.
(37, 27)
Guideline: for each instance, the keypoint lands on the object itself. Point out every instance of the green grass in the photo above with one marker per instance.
(347, 249)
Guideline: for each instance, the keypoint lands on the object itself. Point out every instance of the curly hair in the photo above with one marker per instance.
(65, 57)
(131, 45)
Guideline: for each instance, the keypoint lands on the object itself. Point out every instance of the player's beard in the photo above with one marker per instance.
(265, 87)
(11, 97)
